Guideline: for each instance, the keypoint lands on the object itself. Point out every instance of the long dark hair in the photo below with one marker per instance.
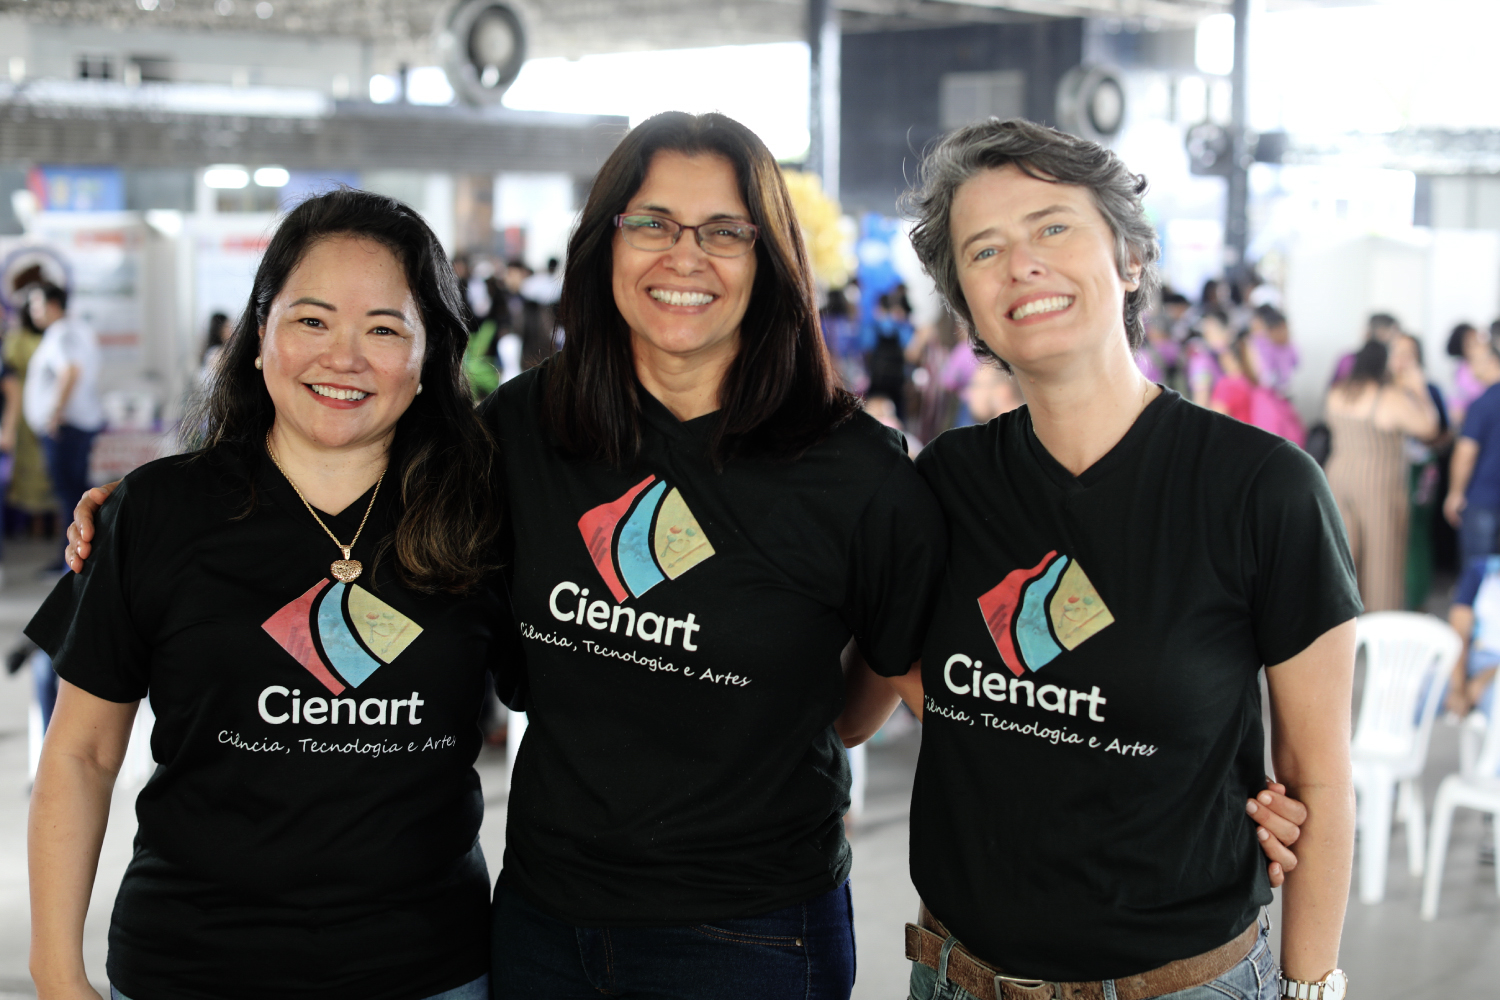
(442, 457)
(780, 394)
(1370, 367)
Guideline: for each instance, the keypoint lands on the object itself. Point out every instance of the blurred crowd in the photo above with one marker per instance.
(1232, 351)
(514, 310)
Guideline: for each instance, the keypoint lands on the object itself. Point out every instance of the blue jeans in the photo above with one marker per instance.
(1254, 978)
(67, 456)
(1476, 533)
(804, 952)
(479, 989)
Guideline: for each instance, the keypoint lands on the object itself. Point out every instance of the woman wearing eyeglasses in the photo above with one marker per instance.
(703, 519)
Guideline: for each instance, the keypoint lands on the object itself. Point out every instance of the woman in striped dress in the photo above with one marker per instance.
(1369, 414)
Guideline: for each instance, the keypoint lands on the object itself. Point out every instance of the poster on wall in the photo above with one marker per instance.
(227, 250)
(86, 188)
(101, 253)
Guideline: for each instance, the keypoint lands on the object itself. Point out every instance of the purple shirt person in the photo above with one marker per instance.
(1277, 363)
(1275, 355)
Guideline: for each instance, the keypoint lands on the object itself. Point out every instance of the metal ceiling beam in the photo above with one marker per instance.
(397, 137)
(580, 27)
(1165, 11)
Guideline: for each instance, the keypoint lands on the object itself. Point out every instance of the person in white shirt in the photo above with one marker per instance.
(61, 397)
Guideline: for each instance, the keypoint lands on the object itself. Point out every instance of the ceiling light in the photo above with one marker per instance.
(272, 177)
(226, 176)
(384, 89)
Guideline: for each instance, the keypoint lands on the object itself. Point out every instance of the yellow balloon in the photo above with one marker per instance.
(829, 244)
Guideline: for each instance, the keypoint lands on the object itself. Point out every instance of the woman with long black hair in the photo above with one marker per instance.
(702, 519)
(304, 600)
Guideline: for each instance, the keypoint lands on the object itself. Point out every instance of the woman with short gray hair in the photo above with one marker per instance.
(1121, 566)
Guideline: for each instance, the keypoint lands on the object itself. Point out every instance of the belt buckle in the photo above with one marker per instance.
(1026, 984)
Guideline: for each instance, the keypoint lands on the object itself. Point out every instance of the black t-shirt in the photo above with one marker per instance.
(683, 629)
(1093, 720)
(312, 829)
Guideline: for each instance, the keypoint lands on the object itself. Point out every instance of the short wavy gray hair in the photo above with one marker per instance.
(1048, 155)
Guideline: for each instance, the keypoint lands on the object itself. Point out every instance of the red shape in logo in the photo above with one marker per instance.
(291, 628)
(598, 528)
(998, 605)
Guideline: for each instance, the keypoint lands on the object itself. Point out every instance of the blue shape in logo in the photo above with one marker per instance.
(1033, 634)
(636, 563)
(344, 651)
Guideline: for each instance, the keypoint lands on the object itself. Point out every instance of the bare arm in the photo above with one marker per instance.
(1415, 413)
(868, 699)
(1460, 471)
(1310, 698)
(1461, 617)
(83, 751)
(909, 687)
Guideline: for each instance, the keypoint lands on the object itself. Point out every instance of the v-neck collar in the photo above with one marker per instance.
(1116, 458)
(344, 524)
(696, 431)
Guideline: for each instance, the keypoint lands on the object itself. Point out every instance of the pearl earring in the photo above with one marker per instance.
(258, 363)
(419, 388)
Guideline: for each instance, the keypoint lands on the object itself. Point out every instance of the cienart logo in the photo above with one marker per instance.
(646, 536)
(1034, 614)
(341, 633)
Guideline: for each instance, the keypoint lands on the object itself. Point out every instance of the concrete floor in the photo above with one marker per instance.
(1388, 952)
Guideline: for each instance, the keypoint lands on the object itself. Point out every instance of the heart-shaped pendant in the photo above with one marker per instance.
(346, 570)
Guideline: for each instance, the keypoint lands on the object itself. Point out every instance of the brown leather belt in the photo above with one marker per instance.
(925, 939)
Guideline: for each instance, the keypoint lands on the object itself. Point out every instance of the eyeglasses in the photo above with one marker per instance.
(655, 234)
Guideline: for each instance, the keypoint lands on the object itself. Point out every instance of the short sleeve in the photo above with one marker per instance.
(899, 548)
(86, 624)
(1479, 420)
(1303, 581)
(507, 654)
(1468, 584)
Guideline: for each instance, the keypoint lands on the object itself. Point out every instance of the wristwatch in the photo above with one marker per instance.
(1333, 986)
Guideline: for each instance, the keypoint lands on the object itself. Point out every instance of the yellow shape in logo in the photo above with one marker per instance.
(680, 542)
(386, 631)
(1077, 610)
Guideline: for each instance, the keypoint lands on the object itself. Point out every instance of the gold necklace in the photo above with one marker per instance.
(344, 570)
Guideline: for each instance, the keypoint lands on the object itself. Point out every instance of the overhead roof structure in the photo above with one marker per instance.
(575, 28)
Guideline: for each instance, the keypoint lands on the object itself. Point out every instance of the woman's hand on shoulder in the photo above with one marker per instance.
(1279, 822)
(81, 531)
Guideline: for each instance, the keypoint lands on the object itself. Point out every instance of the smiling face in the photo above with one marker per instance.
(342, 346)
(1036, 263)
(683, 302)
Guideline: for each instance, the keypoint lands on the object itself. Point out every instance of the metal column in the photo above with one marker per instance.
(823, 109)
(1237, 213)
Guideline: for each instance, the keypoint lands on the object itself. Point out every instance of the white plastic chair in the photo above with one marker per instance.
(1408, 658)
(1475, 787)
(1471, 731)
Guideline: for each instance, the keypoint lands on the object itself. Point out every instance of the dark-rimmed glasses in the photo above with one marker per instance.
(654, 234)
